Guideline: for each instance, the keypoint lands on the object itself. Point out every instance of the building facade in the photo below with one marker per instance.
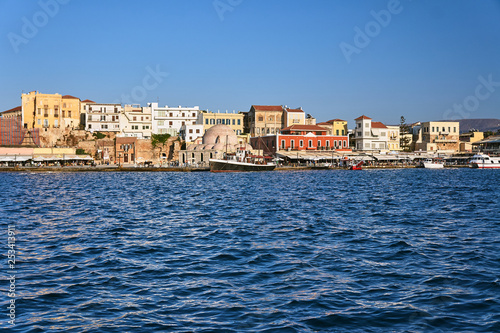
(394, 139)
(370, 135)
(300, 138)
(439, 136)
(190, 133)
(16, 113)
(136, 121)
(103, 117)
(264, 119)
(210, 119)
(70, 111)
(169, 120)
(293, 117)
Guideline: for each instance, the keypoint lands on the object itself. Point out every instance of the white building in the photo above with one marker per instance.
(170, 120)
(189, 133)
(102, 117)
(370, 135)
(294, 117)
(136, 121)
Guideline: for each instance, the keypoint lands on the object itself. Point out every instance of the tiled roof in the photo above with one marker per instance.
(294, 110)
(88, 101)
(378, 124)
(268, 107)
(17, 108)
(333, 120)
(362, 117)
(324, 123)
(304, 128)
(69, 96)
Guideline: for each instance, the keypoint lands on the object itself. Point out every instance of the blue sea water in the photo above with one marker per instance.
(409, 250)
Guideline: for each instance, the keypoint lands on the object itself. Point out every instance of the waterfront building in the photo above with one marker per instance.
(301, 138)
(50, 110)
(293, 117)
(370, 135)
(103, 117)
(125, 150)
(468, 139)
(169, 120)
(394, 139)
(438, 136)
(12, 113)
(489, 145)
(310, 120)
(136, 121)
(210, 119)
(264, 119)
(70, 111)
(190, 133)
(335, 126)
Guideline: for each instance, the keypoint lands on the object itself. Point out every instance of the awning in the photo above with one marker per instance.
(15, 158)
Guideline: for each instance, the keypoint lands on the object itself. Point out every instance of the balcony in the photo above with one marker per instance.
(46, 115)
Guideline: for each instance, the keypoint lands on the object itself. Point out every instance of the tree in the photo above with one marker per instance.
(157, 139)
(404, 130)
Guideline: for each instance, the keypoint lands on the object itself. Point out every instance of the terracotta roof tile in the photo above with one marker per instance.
(333, 120)
(362, 117)
(304, 128)
(294, 110)
(69, 97)
(378, 124)
(88, 101)
(268, 107)
(17, 108)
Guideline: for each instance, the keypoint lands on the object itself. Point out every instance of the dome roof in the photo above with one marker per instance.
(222, 134)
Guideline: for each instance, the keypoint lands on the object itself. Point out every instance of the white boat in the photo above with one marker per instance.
(240, 161)
(482, 161)
(432, 164)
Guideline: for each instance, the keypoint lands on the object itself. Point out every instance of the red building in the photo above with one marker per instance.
(301, 138)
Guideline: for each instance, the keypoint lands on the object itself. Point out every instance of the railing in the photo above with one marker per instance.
(46, 115)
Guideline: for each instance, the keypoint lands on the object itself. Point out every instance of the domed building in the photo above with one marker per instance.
(216, 141)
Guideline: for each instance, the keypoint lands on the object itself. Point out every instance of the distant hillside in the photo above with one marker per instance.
(481, 125)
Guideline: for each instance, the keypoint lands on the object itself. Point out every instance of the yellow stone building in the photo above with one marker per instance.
(49, 110)
(210, 119)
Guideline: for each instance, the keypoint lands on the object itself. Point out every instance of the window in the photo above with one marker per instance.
(310, 144)
(234, 121)
(104, 126)
(191, 130)
(343, 133)
(64, 105)
(56, 123)
(40, 122)
(183, 115)
(327, 143)
(283, 144)
(161, 123)
(292, 144)
(433, 129)
(183, 123)
(197, 130)
(301, 143)
(171, 123)
(382, 133)
(337, 132)
(261, 118)
(319, 143)
(345, 143)
(206, 121)
(134, 118)
(454, 129)
(367, 125)
(449, 130)
(239, 121)
(194, 114)
(223, 121)
(359, 125)
(335, 144)
(257, 130)
(63, 114)
(90, 125)
(103, 118)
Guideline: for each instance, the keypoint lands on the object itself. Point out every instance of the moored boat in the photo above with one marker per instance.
(482, 161)
(240, 161)
(433, 164)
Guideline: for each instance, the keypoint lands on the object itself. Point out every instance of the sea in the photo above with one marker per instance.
(396, 250)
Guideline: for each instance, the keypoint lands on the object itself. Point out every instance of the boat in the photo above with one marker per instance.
(240, 161)
(482, 161)
(357, 166)
(430, 163)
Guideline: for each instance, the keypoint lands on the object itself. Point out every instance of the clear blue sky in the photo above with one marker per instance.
(418, 63)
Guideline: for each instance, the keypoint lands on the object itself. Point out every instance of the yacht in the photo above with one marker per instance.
(482, 161)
